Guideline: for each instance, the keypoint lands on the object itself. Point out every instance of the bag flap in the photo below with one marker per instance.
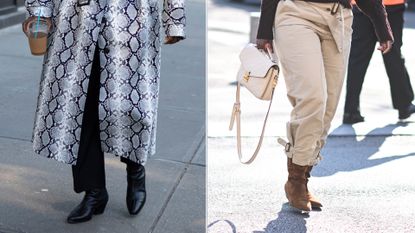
(255, 61)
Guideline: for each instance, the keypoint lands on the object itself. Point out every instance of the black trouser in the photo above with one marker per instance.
(363, 44)
(89, 171)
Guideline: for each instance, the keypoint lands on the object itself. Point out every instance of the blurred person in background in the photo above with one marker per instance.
(312, 39)
(363, 44)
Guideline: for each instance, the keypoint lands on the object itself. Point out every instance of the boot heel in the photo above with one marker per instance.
(100, 209)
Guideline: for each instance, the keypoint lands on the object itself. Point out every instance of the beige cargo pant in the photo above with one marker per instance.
(313, 45)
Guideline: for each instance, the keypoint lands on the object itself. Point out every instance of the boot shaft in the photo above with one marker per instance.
(297, 172)
(296, 186)
(136, 177)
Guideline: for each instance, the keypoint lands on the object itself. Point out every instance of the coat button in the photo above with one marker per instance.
(106, 50)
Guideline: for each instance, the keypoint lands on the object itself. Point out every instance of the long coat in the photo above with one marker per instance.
(127, 33)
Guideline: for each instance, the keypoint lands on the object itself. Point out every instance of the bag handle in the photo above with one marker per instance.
(236, 116)
(269, 53)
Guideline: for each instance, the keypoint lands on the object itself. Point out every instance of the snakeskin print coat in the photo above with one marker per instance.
(127, 33)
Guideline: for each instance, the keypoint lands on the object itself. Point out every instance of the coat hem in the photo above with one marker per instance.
(59, 159)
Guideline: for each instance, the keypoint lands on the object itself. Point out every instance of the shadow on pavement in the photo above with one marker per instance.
(357, 154)
(288, 221)
(227, 222)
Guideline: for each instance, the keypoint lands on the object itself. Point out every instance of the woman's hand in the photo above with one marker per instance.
(264, 44)
(385, 47)
(172, 39)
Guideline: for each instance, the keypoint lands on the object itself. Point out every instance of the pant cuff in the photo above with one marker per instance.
(306, 162)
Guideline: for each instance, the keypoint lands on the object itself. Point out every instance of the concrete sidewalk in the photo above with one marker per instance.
(365, 179)
(36, 193)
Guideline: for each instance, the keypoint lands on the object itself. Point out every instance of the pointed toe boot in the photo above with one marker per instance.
(136, 188)
(296, 187)
(315, 203)
(94, 202)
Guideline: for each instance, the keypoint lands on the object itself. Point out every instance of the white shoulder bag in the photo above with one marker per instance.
(259, 74)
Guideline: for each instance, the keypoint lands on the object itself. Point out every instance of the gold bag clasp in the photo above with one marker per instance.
(246, 76)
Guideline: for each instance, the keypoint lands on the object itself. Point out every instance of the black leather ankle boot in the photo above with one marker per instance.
(136, 188)
(94, 202)
(405, 113)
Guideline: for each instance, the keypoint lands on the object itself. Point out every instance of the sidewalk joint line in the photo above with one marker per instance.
(180, 109)
(177, 161)
(16, 139)
(201, 137)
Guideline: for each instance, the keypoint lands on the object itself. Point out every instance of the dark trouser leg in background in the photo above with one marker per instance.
(363, 45)
(89, 172)
(136, 186)
(400, 84)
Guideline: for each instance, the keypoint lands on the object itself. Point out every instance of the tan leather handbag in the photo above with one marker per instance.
(259, 74)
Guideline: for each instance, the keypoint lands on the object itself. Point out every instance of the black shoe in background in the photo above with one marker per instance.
(94, 202)
(136, 188)
(406, 112)
(352, 118)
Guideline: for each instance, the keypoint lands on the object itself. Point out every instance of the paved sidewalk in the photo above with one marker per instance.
(365, 180)
(36, 193)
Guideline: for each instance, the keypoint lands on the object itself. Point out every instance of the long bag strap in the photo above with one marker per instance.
(236, 116)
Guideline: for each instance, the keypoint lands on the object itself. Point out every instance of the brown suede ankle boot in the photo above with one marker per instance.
(315, 203)
(296, 186)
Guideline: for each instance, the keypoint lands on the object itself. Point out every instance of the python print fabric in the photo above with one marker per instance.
(127, 33)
